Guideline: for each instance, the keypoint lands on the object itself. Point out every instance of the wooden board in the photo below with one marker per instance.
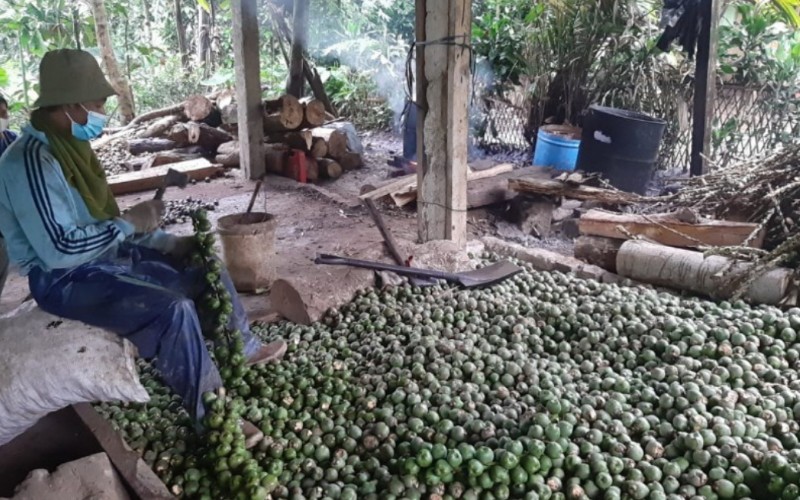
(492, 190)
(551, 187)
(665, 229)
(133, 182)
(133, 470)
(399, 189)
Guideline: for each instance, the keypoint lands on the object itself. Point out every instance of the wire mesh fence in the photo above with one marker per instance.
(748, 122)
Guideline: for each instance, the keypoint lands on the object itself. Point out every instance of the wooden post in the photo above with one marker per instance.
(248, 87)
(443, 89)
(299, 38)
(705, 86)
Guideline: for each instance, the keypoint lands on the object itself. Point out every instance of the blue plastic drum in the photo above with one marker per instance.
(557, 147)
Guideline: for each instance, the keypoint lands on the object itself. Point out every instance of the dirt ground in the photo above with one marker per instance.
(314, 219)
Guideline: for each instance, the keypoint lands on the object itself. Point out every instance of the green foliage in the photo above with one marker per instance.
(756, 48)
(355, 95)
(499, 31)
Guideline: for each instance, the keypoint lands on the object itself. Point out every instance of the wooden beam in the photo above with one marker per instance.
(248, 86)
(443, 89)
(299, 38)
(668, 230)
(705, 86)
(153, 178)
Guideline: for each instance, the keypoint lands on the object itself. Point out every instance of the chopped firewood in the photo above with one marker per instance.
(275, 158)
(300, 139)
(319, 148)
(312, 169)
(336, 141)
(350, 161)
(168, 157)
(329, 169)
(668, 230)
(282, 114)
(313, 112)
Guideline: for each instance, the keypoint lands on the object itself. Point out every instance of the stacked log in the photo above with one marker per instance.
(206, 126)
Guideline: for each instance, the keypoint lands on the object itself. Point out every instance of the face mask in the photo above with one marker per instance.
(93, 128)
(3, 124)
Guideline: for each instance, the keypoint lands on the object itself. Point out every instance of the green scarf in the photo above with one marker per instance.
(81, 168)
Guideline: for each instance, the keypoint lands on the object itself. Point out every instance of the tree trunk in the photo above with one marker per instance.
(299, 38)
(148, 21)
(118, 81)
(202, 42)
(180, 29)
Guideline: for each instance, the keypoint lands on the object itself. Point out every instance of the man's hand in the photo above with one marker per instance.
(145, 216)
(181, 247)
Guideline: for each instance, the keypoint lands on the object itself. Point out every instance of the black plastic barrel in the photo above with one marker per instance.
(621, 145)
(410, 131)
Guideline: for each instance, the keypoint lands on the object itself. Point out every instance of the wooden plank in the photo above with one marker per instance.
(408, 183)
(133, 470)
(665, 229)
(248, 86)
(552, 187)
(299, 38)
(445, 82)
(410, 194)
(153, 178)
(705, 85)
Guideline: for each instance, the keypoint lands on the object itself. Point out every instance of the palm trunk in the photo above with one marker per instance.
(115, 76)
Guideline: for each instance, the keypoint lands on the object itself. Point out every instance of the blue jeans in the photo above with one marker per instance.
(149, 299)
(4, 263)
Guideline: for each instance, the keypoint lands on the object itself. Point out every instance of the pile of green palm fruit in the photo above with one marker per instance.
(545, 386)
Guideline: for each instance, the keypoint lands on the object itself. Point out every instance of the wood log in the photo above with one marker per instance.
(230, 114)
(404, 190)
(160, 126)
(690, 270)
(667, 230)
(197, 107)
(313, 112)
(300, 139)
(312, 169)
(275, 158)
(336, 141)
(136, 164)
(282, 114)
(305, 297)
(228, 148)
(319, 148)
(152, 179)
(230, 160)
(329, 169)
(351, 161)
(598, 251)
(209, 138)
(550, 187)
(152, 145)
(492, 190)
(157, 113)
(168, 157)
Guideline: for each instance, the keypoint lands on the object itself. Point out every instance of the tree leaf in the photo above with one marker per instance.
(3, 77)
(204, 5)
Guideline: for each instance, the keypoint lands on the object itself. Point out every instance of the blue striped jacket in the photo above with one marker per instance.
(45, 221)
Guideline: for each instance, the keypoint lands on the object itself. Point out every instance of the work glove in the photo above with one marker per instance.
(145, 216)
(181, 247)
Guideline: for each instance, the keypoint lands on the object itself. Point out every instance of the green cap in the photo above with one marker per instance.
(69, 76)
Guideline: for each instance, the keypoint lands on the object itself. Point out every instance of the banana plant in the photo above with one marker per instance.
(789, 9)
